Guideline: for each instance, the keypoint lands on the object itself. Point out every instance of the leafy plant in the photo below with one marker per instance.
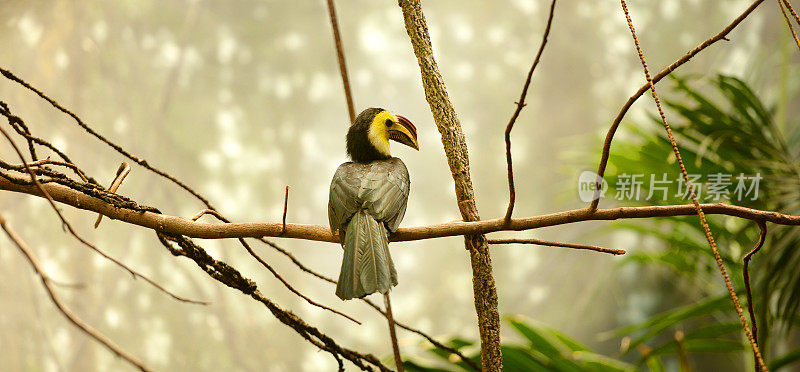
(542, 349)
(722, 129)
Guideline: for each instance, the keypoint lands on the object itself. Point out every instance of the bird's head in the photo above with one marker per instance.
(368, 137)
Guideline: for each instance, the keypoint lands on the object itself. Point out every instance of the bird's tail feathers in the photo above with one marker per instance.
(367, 266)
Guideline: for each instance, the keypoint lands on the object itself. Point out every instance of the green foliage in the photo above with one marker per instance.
(542, 349)
(721, 127)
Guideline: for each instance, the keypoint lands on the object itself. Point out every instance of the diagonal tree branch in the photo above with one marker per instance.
(722, 35)
(46, 283)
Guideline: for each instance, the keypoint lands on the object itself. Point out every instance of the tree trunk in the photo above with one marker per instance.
(455, 148)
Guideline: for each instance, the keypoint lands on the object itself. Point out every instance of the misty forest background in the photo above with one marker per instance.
(239, 99)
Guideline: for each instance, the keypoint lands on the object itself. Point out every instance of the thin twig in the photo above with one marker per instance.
(285, 208)
(100, 137)
(398, 361)
(601, 168)
(512, 194)
(46, 283)
(557, 244)
(66, 224)
(696, 203)
(745, 272)
(56, 162)
(122, 172)
(272, 270)
(788, 22)
(337, 38)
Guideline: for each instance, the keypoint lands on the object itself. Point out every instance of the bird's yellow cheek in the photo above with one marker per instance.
(379, 137)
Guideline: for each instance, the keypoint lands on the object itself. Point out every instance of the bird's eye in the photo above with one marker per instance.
(389, 122)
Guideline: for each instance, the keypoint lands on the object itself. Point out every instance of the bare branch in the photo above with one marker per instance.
(122, 172)
(557, 244)
(791, 10)
(337, 38)
(285, 208)
(601, 169)
(512, 195)
(40, 188)
(398, 361)
(97, 135)
(187, 227)
(38, 163)
(273, 271)
(46, 283)
(745, 272)
(788, 22)
(698, 208)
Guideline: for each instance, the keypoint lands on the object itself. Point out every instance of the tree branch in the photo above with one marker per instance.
(557, 244)
(337, 39)
(46, 283)
(722, 35)
(187, 227)
(512, 194)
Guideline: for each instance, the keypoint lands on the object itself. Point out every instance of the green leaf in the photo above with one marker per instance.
(785, 360)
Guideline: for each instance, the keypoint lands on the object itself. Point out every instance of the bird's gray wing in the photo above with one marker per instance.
(386, 189)
(343, 200)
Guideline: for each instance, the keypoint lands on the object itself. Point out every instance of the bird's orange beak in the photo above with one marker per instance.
(405, 133)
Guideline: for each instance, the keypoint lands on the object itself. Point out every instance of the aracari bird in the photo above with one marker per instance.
(368, 199)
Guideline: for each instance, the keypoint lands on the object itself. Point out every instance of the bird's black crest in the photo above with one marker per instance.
(359, 148)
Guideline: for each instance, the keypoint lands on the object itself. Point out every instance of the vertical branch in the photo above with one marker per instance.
(455, 147)
(762, 226)
(512, 195)
(398, 361)
(337, 38)
(699, 210)
(285, 208)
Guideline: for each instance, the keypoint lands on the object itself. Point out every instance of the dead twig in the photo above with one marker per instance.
(39, 163)
(285, 207)
(512, 194)
(74, 319)
(272, 270)
(746, 274)
(698, 208)
(122, 172)
(66, 224)
(557, 244)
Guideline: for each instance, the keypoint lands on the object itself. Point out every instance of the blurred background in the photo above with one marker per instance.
(240, 98)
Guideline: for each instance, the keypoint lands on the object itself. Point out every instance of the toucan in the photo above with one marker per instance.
(368, 199)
